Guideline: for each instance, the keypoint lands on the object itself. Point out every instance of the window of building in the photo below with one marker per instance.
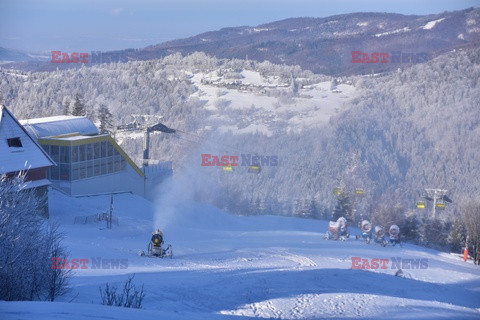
(89, 169)
(55, 153)
(89, 148)
(96, 151)
(110, 165)
(82, 174)
(104, 166)
(65, 154)
(54, 173)
(64, 172)
(85, 161)
(110, 150)
(103, 149)
(14, 142)
(81, 153)
(75, 154)
(97, 167)
(75, 171)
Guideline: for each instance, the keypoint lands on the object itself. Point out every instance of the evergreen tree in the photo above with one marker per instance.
(78, 106)
(66, 106)
(106, 119)
(435, 234)
(343, 208)
(456, 238)
(410, 228)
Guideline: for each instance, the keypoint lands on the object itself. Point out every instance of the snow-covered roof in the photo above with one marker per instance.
(59, 125)
(18, 150)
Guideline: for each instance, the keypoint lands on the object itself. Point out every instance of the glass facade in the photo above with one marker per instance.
(84, 161)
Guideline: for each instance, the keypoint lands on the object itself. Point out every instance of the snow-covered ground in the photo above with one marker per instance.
(231, 101)
(231, 267)
(431, 24)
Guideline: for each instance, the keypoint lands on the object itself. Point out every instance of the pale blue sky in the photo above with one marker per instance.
(73, 25)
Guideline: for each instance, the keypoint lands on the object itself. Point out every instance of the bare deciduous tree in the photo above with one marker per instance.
(471, 219)
(27, 244)
(130, 297)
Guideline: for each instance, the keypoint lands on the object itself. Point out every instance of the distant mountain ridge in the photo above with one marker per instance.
(13, 55)
(322, 45)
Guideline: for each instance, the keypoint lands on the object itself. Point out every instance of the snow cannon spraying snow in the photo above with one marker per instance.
(366, 228)
(337, 229)
(155, 246)
(379, 236)
(394, 234)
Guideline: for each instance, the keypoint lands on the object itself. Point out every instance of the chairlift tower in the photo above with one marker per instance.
(147, 124)
(435, 195)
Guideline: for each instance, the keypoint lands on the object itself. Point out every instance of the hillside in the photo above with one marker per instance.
(226, 267)
(393, 133)
(9, 55)
(322, 45)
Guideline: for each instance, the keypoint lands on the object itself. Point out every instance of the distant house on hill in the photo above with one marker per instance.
(19, 152)
(90, 163)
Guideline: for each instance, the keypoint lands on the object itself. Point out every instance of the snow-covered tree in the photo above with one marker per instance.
(105, 118)
(27, 245)
(66, 105)
(456, 237)
(471, 219)
(78, 106)
(343, 208)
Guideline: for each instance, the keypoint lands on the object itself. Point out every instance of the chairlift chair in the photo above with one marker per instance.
(359, 192)
(254, 169)
(228, 168)
(440, 205)
(338, 191)
(421, 205)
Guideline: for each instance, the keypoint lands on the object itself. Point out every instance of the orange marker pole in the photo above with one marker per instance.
(465, 252)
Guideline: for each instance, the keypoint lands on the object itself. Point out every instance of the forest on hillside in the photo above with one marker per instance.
(415, 128)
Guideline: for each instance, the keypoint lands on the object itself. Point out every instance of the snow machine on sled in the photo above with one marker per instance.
(394, 234)
(155, 249)
(366, 228)
(337, 230)
(379, 236)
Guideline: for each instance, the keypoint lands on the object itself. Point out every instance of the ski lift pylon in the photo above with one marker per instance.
(337, 191)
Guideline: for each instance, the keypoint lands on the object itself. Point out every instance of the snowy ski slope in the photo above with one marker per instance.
(237, 267)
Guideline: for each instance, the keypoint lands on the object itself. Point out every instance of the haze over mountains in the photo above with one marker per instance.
(322, 45)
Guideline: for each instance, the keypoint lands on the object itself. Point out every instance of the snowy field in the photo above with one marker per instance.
(313, 105)
(234, 267)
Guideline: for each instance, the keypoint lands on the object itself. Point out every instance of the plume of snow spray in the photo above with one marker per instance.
(190, 182)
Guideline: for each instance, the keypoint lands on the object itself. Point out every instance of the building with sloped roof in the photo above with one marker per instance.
(20, 153)
(89, 163)
(58, 125)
